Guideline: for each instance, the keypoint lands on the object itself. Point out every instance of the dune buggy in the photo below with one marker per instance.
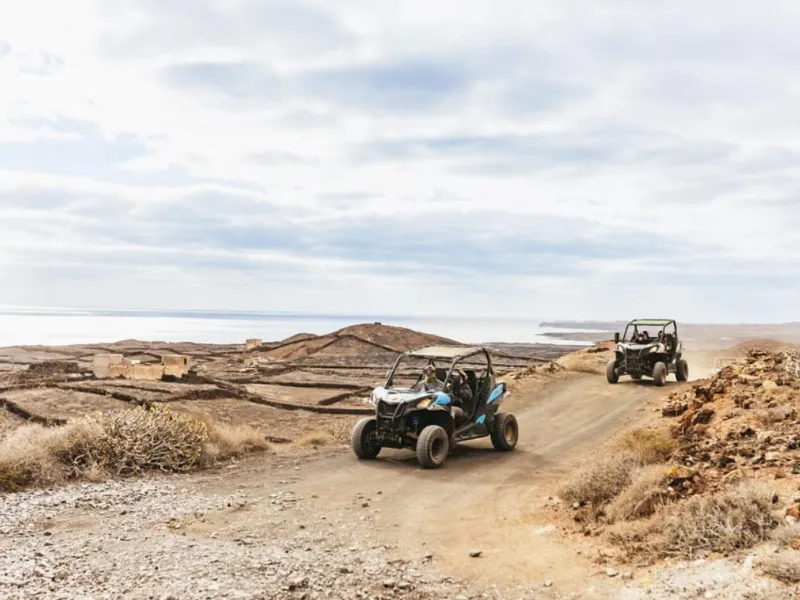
(429, 416)
(639, 353)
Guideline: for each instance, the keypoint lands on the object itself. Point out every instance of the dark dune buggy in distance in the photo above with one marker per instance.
(431, 421)
(638, 353)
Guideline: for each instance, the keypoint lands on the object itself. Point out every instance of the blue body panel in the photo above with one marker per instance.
(496, 394)
(442, 399)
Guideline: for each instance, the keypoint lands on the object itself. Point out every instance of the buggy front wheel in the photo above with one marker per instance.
(611, 372)
(660, 373)
(433, 445)
(363, 439)
(505, 432)
(682, 370)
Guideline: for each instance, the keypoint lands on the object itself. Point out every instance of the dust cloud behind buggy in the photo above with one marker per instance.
(430, 418)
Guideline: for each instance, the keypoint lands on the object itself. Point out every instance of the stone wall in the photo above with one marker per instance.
(130, 371)
(102, 363)
(110, 366)
(253, 343)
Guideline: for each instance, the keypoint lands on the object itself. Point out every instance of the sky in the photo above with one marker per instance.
(570, 160)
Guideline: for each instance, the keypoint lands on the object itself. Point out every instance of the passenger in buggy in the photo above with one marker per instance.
(461, 394)
(429, 382)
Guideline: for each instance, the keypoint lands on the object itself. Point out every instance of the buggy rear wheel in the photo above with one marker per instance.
(660, 373)
(505, 432)
(433, 446)
(611, 371)
(363, 440)
(682, 370)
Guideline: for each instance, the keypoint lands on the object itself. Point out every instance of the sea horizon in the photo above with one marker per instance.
(52, 326)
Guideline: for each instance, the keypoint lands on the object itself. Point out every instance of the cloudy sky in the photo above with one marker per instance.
(545, 158)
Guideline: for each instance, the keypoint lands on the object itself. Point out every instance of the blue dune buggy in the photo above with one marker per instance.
(430, 418)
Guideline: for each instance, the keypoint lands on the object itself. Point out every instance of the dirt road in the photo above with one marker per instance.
(338, 517)
(491, 501)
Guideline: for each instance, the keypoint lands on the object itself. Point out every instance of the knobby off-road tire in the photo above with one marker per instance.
(611, 372)
(363, 440)
(505, 432)
(433, 446)
(660, 373)
(682, 370)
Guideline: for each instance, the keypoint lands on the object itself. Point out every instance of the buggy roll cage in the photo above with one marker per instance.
(636, 323)
(455, 354)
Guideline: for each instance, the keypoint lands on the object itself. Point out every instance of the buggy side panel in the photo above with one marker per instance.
(497, 393)
(442, 399)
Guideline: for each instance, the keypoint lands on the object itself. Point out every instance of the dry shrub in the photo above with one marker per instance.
(648, 445)
(132, 441)
(121, 443)
(646, 493)
(600, 481)
(783, 567)
(728, 521)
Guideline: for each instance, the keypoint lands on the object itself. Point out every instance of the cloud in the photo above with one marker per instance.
(300, 28)
(550, 159)
(391, 87)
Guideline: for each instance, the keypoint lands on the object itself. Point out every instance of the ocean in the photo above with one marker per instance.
(61, 326)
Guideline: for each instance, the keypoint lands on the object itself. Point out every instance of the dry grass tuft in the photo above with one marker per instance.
(122, 443)
(231, 441)
(600, 481)
(725, 522)
(8, 423)
(771, 594)
(585, 362)
(783, 567)
(787, 536)
(637, 539)
(337, 431)
(642, 498)
(315, 438)
(648, 445)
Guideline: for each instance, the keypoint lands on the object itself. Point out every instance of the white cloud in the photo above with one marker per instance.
(577, 157)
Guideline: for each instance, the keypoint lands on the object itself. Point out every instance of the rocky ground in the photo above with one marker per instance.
(144, 539)
(743, 421)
